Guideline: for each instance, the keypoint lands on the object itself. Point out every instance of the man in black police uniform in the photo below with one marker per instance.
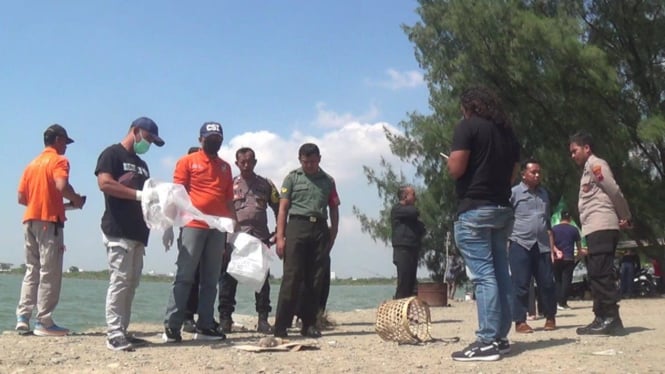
(307, 194)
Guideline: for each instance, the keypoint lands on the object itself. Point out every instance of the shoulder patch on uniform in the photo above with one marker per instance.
(597, 171)
(285, 190)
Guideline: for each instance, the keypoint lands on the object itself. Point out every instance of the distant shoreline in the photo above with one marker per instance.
(104, 275)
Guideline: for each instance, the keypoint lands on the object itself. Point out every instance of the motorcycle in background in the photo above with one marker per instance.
(644, 284)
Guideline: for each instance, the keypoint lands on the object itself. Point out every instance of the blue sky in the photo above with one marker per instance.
(275, 74)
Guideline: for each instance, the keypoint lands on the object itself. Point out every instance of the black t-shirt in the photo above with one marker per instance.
(494, 150)
(123, 218)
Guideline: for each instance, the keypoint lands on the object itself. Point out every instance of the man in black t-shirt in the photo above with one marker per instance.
(484, 162)
(120, 175)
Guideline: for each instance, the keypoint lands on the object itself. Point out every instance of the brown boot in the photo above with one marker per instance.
(550, 324)
(523, 328)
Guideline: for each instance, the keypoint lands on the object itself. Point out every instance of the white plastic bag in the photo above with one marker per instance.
(167, 204)
(250, 260)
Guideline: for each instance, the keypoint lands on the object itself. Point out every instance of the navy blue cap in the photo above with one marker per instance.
(150, 126)
(211, 128)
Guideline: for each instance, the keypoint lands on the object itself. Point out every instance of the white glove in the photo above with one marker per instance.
(167, 238)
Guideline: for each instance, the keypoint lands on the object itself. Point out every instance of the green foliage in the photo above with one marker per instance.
(559, 67)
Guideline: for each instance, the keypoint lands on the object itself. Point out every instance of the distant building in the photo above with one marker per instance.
(5, 266)
(333, 276)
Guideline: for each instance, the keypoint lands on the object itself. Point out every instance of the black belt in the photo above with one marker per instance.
(299, 217)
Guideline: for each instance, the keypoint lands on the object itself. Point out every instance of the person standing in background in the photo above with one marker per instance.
(484, 163)
(532, 248)
(603, 211)
(566, 237)
(407, 235)
(43, 185)
(628, 267)
(121, 174)
(454, 271)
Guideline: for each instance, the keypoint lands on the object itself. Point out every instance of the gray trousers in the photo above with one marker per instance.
(125, 266)
(197, 249)
(44, 250)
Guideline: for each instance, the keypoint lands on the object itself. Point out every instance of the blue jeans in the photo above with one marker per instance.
(525, 264)
(627, 272)
(482, 238)
(197, 249)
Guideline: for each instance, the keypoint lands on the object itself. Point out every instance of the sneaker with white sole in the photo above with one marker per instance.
(22, 325)
(208, 334)
(189, 326)
(53, 330)
(119, 343)
(171, 335)
(503, 345)
(478, 351)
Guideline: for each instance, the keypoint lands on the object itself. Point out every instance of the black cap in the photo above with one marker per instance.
(57, 130)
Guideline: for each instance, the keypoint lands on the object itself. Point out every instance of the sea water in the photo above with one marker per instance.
(82, 301)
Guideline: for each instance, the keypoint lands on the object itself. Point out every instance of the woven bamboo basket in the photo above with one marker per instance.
(406, 321)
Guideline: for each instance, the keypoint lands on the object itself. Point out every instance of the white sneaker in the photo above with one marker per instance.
(22, 325)
(53, 330)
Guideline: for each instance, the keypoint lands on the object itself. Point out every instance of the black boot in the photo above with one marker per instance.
(263, 326)
(593, 325)
(225, 324)
(606, 326)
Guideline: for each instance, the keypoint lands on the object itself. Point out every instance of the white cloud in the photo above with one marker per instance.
(330, 119)
(398, 80)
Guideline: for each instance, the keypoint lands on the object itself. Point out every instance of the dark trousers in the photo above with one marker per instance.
(405, 259)
(227, 294)
(325, 291)
(305, 262)
(563, 277)
(600, 270)
(527, 263)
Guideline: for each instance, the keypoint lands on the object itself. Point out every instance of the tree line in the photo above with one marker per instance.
(559, 67)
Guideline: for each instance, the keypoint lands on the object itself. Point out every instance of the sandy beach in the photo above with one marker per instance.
(354, 347)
